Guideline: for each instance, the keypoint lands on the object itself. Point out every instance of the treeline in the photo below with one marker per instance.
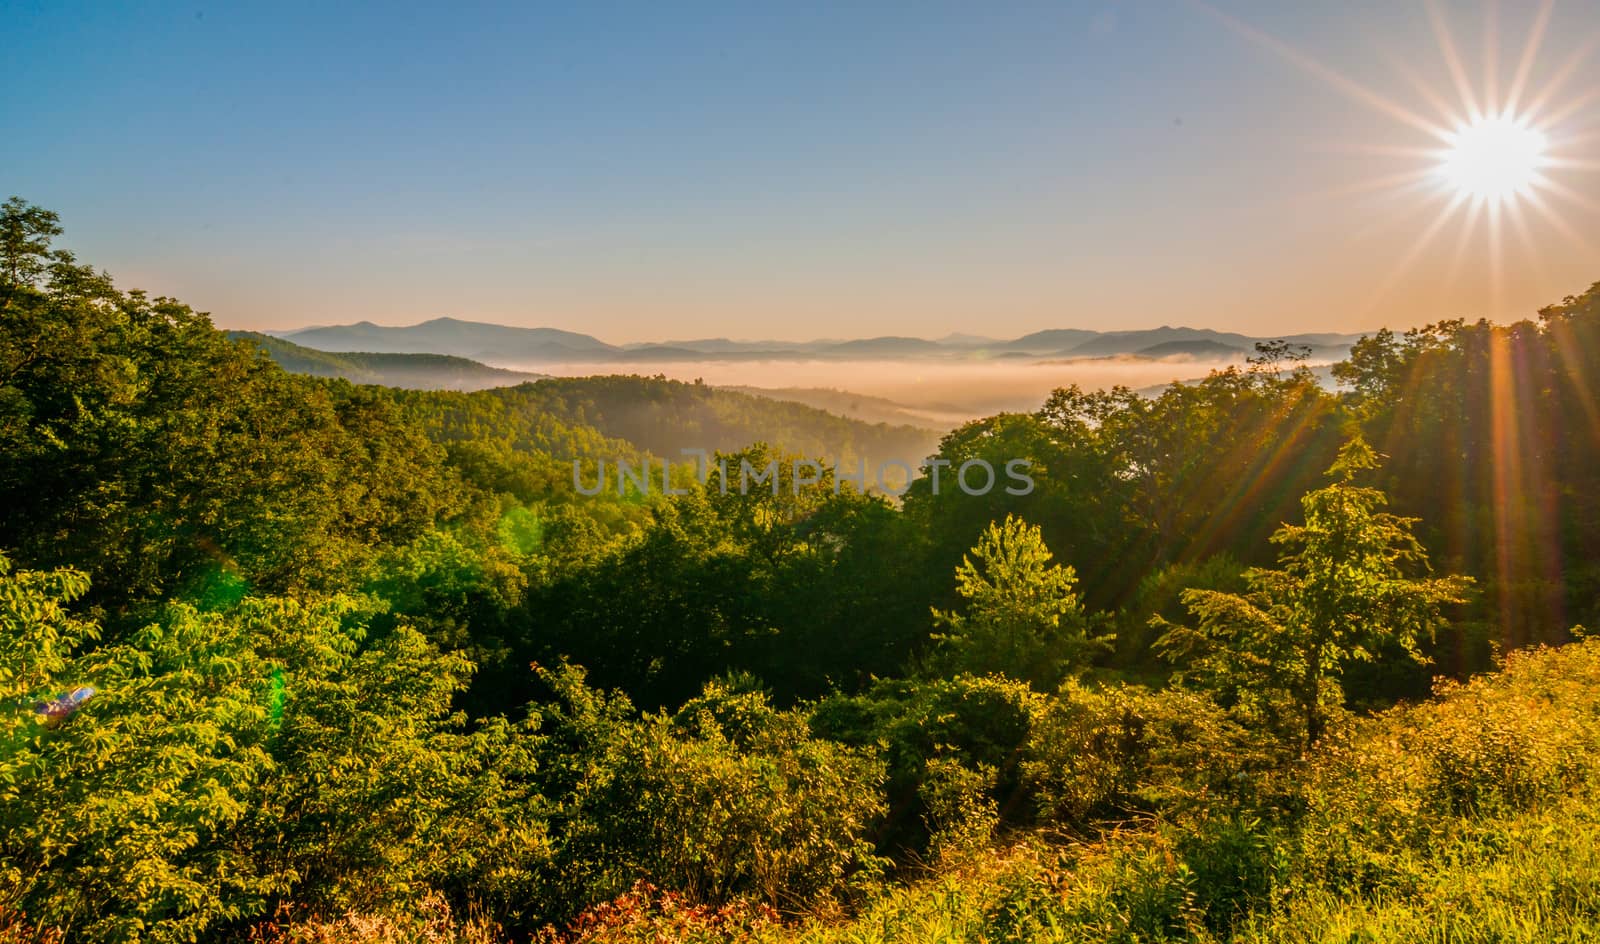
(359, 648)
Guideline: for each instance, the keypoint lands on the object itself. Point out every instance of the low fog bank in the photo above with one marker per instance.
(944, 392)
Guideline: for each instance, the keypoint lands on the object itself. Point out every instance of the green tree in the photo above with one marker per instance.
(233, 761)
(1023, 617)
(1354, 581)
(140, 445)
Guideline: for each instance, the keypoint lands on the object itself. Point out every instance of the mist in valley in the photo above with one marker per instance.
(933, 392)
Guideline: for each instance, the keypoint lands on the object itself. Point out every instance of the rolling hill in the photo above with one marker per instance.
(847, 403)
(663, 417)
(413, 371)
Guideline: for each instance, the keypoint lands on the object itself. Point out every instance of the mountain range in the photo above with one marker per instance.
(505, 344)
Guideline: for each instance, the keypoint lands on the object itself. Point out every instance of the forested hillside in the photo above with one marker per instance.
(287, 658)
(655, 414)
(419, 371)
(665, 417)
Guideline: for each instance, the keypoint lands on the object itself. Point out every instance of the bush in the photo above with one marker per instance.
(1124, 752)
(728, 797)
(645, 915)
(1402, 784)
(233, 760)
(954, 748)
(431, 922)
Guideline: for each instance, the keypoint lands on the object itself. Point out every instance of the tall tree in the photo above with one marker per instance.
(1353, 580)
(1023, 617)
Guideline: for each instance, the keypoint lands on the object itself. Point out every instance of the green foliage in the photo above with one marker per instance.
(37, 633)
(1490, 433)
(726, 797)
(186, 795)
(1123, 752)
(1344, 590)
(955, 750)
(270, 757)
(1384, 852)
(1158, 601)
(145, 448)
(807, 589)
(663, 416)
(1022, 619)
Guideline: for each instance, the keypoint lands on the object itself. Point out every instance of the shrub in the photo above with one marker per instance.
(728, 797)
(645, 915)
(1404, 783)
(232, 760)
(1126, 751)
(953, 747)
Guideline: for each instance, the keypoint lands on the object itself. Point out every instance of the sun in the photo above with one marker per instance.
(1494, 152)
(1494, 158)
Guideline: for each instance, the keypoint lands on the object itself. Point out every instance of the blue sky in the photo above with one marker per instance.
(646, 171)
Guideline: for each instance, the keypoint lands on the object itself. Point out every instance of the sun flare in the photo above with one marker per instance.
(1494, 158)
(1494, 152)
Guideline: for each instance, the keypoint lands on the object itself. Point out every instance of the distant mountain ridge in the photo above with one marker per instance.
(493, 343)
(471, 339)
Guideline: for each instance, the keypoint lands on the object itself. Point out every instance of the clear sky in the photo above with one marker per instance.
(673, 170)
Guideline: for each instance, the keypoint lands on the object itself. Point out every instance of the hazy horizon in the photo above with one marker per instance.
(621, 342)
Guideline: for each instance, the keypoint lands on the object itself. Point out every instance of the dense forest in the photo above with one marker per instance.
(290, 658)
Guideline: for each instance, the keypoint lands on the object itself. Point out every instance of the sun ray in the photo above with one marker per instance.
(1566, 349)
(1401, 181)
(1497, 259)
(1418, 246)
(1555, 219)
(1411, 206)
(1580, 143)
(1553, 118)
(1452, 60)
(1344, 84)
(1530, 53)
(1394, 186)
(1562, 74)
(1491, 56)
(1503, 132)
(1573, 163)
(1519, 222)
(1448, 112)
(1290, 424)
(1380, 150)
(1568, 194)
(1506, 462)
(1464, 238)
